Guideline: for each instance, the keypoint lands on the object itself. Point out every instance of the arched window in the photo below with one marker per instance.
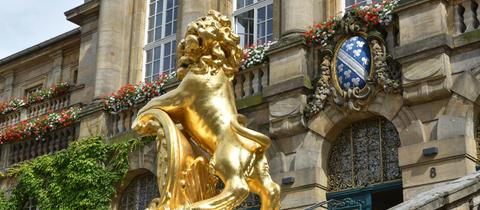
(138, 194)
(365, 153)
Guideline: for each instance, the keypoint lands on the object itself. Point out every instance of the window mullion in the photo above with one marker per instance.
(255, 26)
(162, 53)
(164, 18)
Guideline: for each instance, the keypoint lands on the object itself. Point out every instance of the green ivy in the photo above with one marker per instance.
(83, 176)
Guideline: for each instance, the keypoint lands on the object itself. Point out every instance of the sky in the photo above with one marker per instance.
(25, 23)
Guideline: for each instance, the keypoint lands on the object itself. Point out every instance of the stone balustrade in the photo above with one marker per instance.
(54, 104)
(29, 149)
(35, 110)
(121, 122)
(467, 15)
(250, 82)
(10, 119)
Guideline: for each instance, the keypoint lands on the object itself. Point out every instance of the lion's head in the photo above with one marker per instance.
(209, 46)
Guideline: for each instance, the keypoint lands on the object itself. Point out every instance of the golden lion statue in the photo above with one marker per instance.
(211, 140)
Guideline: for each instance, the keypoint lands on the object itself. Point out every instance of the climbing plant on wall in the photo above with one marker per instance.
(81, 177)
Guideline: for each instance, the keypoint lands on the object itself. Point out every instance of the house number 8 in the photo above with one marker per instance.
(433, 172)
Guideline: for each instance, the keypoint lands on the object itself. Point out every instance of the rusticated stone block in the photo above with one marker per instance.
(426, 79)
(450, 127)
(421, 21)
(467, 86)
(287, 64)
(414, 133)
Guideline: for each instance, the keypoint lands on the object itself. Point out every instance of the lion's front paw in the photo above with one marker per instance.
(147, 126)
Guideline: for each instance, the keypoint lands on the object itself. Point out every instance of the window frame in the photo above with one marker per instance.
(257, 4)
(33, 89)
(163, 39)
(344, 4)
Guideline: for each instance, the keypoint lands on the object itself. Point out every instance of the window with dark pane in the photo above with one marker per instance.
(365, 153)
(32, 90)
(138, 194)
(265, 24)
(254, 21)
(244, 28)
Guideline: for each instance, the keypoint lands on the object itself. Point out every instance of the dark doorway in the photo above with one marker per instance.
(385, 199)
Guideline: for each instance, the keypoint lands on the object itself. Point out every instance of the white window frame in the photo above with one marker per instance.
(257, 4)
(344, 6)
(163, 40)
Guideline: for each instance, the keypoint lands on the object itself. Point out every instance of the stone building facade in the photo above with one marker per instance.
(398, 144)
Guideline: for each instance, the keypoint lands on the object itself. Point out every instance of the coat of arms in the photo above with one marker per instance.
(354, 67)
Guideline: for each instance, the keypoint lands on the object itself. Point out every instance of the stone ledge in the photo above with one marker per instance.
(285, 86)
(249, 101)
(467, 38)
(444, 195)
(413, 153)
(286, 43)
(444, 41)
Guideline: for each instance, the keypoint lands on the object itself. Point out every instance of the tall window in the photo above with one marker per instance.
(254, 21)
(161, 44)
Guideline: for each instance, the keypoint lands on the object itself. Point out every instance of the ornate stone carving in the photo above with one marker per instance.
(378, 71)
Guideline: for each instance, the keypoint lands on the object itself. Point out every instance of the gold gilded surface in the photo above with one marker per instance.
(213, 141)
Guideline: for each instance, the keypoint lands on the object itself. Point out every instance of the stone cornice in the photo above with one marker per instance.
(78, 14)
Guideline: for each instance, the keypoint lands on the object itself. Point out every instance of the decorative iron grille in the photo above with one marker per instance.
(138, 194)
(365, 153)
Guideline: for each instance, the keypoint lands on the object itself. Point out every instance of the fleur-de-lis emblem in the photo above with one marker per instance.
(357, 52)
(349, 46)
(364, 60)
(360, 43)
(347, 73)
(356, 81)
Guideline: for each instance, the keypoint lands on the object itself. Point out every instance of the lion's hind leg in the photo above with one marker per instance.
(262, 184)
(235, 191)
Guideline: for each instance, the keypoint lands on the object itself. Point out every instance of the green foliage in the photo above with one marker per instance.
(81, 177)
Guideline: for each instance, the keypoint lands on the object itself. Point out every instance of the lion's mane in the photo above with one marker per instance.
(209, 46)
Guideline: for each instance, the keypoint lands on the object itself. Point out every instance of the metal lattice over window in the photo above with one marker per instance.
(161, 45)
(365, 153)
(138, 194)
(251, 203)
(254, 21)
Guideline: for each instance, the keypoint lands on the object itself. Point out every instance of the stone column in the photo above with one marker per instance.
(190, 10)
(296, 16)
(55, 76)
(86, 16)
(113, 50)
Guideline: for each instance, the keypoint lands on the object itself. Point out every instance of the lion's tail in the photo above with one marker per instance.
(250, 137)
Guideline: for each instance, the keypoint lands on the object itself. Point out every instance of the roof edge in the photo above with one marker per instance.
(40, 45)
